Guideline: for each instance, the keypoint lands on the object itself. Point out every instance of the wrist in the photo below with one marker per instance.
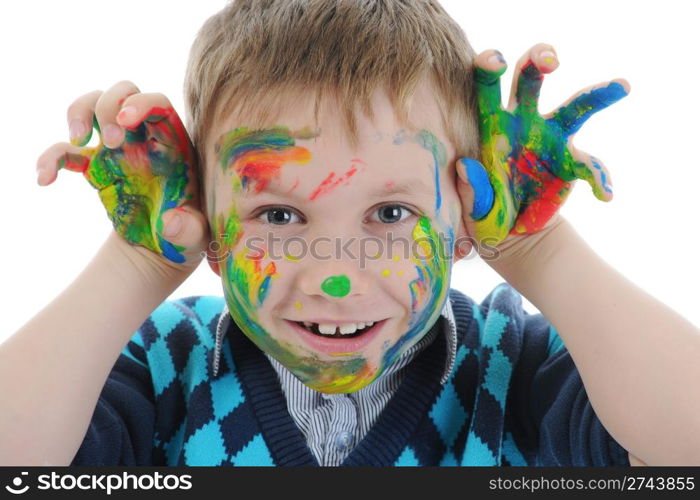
(139, 267)
(525, 260)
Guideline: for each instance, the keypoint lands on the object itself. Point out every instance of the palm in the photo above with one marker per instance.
(529, 158)
(147, 175)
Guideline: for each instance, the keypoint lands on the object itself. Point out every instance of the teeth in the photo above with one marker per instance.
(327, 328)
(347, 328)
(344, 329)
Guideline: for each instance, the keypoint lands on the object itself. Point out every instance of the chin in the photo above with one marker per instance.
(335, 363)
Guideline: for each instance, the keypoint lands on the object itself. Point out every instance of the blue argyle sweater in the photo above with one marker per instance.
(514, 397)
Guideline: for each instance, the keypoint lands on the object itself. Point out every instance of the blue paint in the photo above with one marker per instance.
(428, 141)
(603, 177)
(483, 192)
(573, 115)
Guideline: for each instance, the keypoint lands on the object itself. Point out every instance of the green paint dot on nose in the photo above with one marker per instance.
(336, 286)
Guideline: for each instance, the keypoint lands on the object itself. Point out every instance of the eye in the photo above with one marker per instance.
(279, 216)
(391, 214)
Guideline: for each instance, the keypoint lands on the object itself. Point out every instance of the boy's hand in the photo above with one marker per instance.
(144, 169)
(529, 161)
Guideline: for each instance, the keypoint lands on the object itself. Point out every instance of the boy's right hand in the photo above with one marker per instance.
(144, 168)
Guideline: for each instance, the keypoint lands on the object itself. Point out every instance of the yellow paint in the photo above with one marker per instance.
(297, 304)
(343, 353)
(291, 257)
(386, 272)
(396, 258)
(399, 273)
(548, 60)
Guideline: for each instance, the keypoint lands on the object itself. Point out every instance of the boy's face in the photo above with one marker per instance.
(334, 261)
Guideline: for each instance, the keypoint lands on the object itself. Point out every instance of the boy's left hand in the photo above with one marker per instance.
(529, 161)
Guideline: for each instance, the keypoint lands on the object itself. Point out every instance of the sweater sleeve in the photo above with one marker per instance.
(122, 425)
(569, 432)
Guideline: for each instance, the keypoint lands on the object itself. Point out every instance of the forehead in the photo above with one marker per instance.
(301, 158)
(329, 131)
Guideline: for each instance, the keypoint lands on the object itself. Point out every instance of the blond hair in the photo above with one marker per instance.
(252, 52)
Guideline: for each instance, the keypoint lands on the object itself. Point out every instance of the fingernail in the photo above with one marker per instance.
(548, 56)
(483, 192)
(111, 134)
(127, 113)
(173, 227)
(77, 130)
(497, 57)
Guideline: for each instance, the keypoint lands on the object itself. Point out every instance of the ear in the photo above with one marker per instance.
(463, 243)
(213, 259)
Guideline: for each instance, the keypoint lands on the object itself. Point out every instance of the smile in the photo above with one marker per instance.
(335, 342)
(337, 330)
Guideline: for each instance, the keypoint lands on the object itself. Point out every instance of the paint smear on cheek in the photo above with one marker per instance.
(428, 290)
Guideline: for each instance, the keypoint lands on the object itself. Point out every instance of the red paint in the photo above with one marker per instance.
(294, 186)
(75, 163)
(551, 194)
(330, 182)
(260, 172)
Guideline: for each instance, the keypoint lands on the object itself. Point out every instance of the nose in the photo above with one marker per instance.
(333, 280)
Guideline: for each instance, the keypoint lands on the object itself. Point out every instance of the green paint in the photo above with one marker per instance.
(336, 286)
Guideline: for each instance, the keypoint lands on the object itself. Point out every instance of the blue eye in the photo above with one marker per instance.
(279, 216)
(391, 214)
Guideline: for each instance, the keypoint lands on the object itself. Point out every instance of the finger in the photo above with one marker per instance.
(106, 109)
(590, 169)
(61, 155)
(571, 115)
(151, 116)
(139, 107)
(491, 225)
(489, 66)
(528, 76)
(80, 118)
(183, 234)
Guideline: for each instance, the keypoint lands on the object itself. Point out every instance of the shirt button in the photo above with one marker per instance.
(342, 440)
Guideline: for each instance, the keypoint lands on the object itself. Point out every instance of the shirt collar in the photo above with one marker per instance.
(449, 329)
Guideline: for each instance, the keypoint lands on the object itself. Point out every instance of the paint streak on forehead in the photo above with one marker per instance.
(256, 156)
(428, 141)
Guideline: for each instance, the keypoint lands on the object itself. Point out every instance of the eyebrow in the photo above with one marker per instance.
(411, 187)
(274, 188)
(408, 187)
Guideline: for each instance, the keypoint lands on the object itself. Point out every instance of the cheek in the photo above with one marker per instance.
(432, 264)
(246, 273)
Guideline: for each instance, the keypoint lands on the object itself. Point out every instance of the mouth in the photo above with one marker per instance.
(337, 331)
(337, 339)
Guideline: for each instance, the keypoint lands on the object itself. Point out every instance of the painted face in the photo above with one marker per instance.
(334, 260)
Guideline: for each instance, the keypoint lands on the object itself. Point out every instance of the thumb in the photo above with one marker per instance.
(185, 227)
(474, 174)
(493, 209)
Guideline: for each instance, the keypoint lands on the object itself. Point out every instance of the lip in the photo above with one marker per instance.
(336, 321)
(337, 346)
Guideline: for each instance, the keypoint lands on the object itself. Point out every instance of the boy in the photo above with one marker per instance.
(366, 357)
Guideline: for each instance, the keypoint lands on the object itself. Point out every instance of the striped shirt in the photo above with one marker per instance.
(334, 423)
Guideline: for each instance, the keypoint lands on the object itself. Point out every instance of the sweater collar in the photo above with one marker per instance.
(449, 330)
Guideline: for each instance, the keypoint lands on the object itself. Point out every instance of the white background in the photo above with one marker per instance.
(51, 52)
